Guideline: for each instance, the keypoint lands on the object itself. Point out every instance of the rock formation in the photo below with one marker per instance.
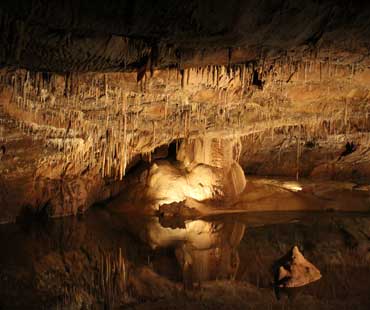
(89, 88)
(297, 271)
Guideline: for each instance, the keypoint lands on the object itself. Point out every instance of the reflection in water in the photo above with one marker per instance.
(211, 251)
(205, 250)
(62, 262)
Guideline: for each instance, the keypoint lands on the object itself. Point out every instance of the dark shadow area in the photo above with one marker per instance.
(256, 80)
(349, 149)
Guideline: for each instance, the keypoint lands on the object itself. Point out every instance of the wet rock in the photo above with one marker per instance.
(175, 214)
(296, 271)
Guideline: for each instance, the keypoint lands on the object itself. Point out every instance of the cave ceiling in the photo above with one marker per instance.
(63, 36)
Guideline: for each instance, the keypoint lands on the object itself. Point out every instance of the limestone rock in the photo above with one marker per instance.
(297, 271)
(168, 183)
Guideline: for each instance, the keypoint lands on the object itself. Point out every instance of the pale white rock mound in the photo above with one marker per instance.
(205, 169)
(168, 183)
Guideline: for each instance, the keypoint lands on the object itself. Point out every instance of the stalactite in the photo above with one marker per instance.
(217, 75)
(95, 104)
(298, 152)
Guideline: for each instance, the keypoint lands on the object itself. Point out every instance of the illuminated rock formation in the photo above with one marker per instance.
(205, 170)
(167, 184)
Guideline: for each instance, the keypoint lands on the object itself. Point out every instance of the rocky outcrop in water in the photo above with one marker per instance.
(297, 271)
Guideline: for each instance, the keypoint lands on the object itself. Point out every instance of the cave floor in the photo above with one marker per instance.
(76, 262)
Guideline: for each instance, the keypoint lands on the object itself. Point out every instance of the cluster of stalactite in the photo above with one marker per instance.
(300, 138)
(106, 119)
